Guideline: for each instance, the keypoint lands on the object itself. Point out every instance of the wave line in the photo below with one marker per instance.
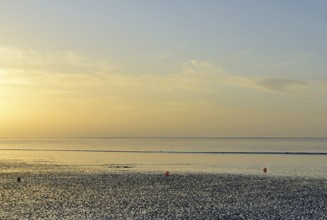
(168, 152)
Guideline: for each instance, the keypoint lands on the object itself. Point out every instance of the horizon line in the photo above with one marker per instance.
(157, 137)
(172, 152)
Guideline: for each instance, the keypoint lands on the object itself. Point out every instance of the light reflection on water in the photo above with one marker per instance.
(298, 165)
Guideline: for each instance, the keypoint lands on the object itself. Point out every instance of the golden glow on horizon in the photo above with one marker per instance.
(213, 68)
(68, 94)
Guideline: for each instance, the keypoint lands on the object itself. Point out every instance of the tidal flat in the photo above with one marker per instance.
(49, 191)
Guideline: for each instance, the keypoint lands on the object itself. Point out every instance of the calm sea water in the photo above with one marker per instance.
(282, 156)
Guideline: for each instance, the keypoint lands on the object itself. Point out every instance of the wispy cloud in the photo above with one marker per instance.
(50, 62)
(68, 71)
(291, 59)
(284, 85)
(51, 70)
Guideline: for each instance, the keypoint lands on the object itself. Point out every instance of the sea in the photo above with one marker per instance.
(305, 157)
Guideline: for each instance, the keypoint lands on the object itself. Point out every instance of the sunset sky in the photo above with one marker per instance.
(163, 68)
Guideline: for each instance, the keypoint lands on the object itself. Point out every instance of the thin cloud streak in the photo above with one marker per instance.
(284, 85)
(200, 97)
(293, 59)
(66, 71)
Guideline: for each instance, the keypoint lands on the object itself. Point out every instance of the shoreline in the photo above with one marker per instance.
(64, 192)
(171, 152)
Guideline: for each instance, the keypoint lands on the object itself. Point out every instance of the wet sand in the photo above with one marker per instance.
(66, 192)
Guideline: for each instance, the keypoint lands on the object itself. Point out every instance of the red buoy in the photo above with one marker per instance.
(167, 173)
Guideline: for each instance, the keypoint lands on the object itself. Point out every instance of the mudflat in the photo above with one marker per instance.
(48, 191)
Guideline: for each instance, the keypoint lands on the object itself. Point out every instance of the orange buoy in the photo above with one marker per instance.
(265, 170)
(167, 173)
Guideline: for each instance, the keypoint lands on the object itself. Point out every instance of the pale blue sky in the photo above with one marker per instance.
(239, 59)
(262, 37)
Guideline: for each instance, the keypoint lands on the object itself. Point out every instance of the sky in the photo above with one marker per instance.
(163, 68)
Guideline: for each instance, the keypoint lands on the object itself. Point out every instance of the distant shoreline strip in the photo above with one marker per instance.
(173, 152)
